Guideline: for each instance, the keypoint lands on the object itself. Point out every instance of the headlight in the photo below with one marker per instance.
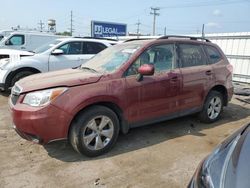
(44, 97)
(214, 167)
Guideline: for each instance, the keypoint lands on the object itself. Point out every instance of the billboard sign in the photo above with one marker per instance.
(107, 29)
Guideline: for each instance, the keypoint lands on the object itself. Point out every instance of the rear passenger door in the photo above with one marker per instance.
(197, 76)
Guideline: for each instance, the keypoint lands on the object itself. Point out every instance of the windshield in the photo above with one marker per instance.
(112, 58)
(47, 46)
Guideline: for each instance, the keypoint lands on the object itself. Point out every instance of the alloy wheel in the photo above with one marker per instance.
(98, 133)
(214, 108)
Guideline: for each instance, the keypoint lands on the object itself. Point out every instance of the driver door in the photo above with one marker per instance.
(72, 56)
(154, 96)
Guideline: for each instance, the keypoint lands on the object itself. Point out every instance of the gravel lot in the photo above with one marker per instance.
(159, 155)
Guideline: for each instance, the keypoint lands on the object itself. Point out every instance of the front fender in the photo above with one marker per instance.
(28, 63)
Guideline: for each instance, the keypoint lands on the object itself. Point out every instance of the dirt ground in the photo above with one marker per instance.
(159, 155)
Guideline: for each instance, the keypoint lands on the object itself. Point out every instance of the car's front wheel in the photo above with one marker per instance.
(212, 108)
(94, 131)
(19, 76)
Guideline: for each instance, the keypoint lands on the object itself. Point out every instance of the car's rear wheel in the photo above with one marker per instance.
(212, 108)
(94, 131)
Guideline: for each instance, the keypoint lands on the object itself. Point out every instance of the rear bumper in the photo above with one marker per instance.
(40, 125)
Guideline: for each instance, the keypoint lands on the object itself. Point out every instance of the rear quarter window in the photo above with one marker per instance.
(213, 54)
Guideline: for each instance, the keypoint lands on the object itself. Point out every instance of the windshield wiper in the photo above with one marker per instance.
(90, 69)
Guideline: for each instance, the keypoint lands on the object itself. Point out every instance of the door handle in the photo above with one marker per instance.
(80, 59)
(174, 79)
(209, 72)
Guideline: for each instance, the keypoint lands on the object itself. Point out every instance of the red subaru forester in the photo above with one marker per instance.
(127, 85)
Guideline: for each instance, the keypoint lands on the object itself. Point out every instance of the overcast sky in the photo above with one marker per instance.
(179, 17)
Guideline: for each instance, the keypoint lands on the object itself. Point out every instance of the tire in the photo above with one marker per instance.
(212, 107)
(19, 76)
(94, 131)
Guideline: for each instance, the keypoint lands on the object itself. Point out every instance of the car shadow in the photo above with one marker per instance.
(5, 93)
(149, 135)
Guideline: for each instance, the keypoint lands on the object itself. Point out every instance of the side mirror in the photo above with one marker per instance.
(57, 52)
(7, 42)
(145, 70)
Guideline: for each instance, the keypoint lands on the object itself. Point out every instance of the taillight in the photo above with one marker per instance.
(230, 68)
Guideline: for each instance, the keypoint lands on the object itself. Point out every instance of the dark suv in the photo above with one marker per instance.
(131, 84)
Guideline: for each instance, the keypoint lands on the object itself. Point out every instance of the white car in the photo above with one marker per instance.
(59, 54)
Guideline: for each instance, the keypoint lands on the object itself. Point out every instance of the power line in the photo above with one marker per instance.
(204, 4)
(154, 13)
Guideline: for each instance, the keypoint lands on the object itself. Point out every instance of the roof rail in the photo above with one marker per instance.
(97, 38)
(129, 40)
(185, 37)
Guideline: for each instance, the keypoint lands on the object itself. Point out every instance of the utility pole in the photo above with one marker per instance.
(165, 31)
(197, 31)
(203, 31)
(71, 23)
(41, 25)
(138, 28)
(154, 13)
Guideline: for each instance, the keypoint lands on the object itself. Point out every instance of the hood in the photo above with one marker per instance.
(238, 169)
(67, 77)
(12, 51)
(14, 55)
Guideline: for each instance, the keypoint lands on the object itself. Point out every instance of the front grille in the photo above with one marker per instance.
(15, 93)
(14, 99)
(3, 56)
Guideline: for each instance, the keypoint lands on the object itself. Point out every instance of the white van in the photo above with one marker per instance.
(4, 33)
(27, 41)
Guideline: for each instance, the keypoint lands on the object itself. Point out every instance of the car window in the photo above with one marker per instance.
(213, 54)
(191, 55)
(71, 48)
(162, 57)
(93, 47)
(16, 40)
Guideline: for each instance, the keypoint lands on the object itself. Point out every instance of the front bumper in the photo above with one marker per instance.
(40, 124)
(3, 76)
